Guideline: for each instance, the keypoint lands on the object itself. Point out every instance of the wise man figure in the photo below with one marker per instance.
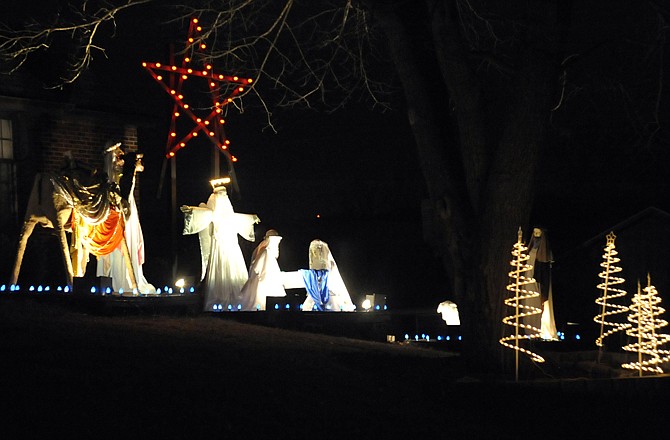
(265, 277)
(224, 270)
(541, 258)
(121, 169)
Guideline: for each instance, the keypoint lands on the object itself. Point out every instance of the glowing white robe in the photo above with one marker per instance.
(265, 277)
(223, 267)
(114, 265)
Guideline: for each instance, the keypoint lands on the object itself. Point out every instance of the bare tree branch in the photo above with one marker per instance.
(17, 45)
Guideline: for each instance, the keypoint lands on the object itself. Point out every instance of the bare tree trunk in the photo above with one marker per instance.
(479, 218)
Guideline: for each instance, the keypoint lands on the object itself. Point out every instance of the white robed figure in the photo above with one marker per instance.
(338, 299)
(113, 265)
(224, 270)
(265, 277)
(541, 258)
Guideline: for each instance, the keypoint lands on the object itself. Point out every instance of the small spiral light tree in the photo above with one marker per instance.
(644, 316)
(609, 309)
(518, 288)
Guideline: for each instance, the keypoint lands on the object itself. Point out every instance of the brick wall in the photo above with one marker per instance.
(84, 138)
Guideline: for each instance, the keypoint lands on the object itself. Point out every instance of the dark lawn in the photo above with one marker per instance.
(68, 374)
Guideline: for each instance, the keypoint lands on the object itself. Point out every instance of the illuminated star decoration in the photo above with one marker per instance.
(222, 88)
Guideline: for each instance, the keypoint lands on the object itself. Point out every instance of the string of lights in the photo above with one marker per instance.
(644, 315)
(222, 88)
(609, 309)
(521, 293)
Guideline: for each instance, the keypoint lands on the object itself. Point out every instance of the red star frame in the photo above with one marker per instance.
(211, 125)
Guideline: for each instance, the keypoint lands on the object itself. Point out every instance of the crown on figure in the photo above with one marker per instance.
(220, 183)
(610, 239)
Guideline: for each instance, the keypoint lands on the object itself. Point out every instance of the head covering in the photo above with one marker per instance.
(219, 184)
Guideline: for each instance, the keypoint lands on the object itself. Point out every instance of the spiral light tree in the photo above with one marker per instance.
(520, 291)
(645, 312)
(610, 295)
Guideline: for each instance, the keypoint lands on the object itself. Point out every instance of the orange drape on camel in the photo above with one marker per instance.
(106, 236)
(97, 239)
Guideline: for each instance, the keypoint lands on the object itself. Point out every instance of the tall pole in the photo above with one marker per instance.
(173, 214)
(516, 327)
(602, 321)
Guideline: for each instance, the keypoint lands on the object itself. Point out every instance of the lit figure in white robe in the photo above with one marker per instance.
(541, 258)
(223, 267)
(114, 265)
(265, 277)
(338, 300)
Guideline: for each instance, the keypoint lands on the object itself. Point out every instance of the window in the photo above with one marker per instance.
(6, 139)
(8, 202)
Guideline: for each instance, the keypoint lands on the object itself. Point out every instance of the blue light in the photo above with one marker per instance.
(31, 288)
(577, 337)
(230, 307)
(40, 288)
(385, 307)
(192, 289)
(121, 291)
(300, 307)
(423, 336)
(12, 288)
(108, 291)
(47, 288)
(459, 338)
(416, 337)
(66, 289)
(448, 338)
(93, 289)
(288, 306)
(17, 288)
(258, 307)
(439, 338)
(215, 307)
(427, 338)
(276, 306)
(181, 290)
(59, 288)
(2, 288)
(169, 291)
(377, 307)
(239, 307)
